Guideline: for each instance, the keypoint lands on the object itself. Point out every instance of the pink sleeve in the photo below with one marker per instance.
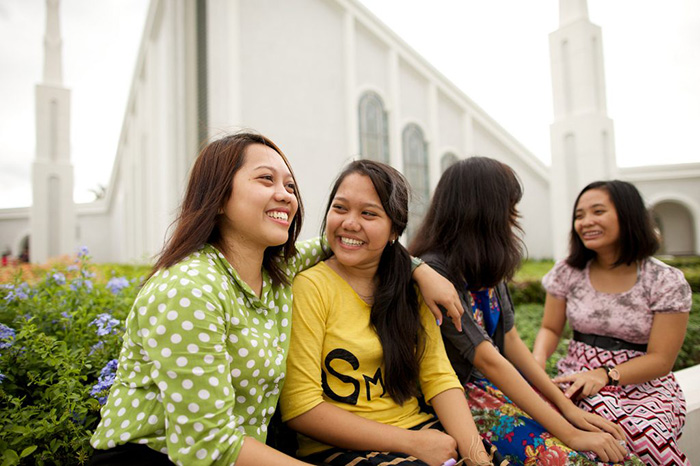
(557, 281)
(671, 292)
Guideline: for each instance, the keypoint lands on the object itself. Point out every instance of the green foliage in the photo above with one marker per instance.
(67, 327)
(689, 355)
(532, 270)
(528, 318)
(690, 265)
(527, 292)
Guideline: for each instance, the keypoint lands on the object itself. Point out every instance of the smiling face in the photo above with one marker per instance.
(357, 227)
(263, 203)
(596, 222)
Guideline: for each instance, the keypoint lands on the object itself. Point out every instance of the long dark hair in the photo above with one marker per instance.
(473, 222)
(638, 239)
(208, 190)
(395, 310)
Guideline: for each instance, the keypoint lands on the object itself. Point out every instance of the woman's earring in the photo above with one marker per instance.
(393, 241)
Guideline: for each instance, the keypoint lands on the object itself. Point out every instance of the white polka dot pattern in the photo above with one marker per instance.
(203, 360)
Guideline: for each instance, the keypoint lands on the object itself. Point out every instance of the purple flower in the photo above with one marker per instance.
(16, 292)
(59, 278)
(104, 381)
(72, 268)
(66, 315)
(78, 282)
(105, 324)
(96, 347)
(83, 251)
(7, 336)
(115, 285)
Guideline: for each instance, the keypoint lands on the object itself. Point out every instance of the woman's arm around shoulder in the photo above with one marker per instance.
(439, 291)
(309, 253)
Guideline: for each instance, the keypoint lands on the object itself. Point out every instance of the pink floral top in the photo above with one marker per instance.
(660, 288)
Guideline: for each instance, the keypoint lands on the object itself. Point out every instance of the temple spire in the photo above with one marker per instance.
(572, 10)
(53, 67)
(583, 141)
(52, 217)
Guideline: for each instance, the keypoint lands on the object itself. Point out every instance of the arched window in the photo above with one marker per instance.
(448, 159)
(415, 167)
(374, 130)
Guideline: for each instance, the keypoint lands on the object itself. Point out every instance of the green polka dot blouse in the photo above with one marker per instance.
(203, 360)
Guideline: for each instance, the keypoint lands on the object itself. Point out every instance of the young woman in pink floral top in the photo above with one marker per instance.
(629, 314)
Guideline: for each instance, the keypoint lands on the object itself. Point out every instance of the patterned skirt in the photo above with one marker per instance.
(652, 414)
(342, 457)
(517, 436)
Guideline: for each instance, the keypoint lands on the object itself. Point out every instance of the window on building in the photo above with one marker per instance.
(374, 130)
(415, 167)
(448, 159)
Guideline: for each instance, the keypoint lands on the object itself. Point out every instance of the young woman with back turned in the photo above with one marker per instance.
(204, 353)
(364, 344)
(470, 235)
(629, 314)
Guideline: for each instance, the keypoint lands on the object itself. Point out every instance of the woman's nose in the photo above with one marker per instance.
(350, 223)
(283, 195)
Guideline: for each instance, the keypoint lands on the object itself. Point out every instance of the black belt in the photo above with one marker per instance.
(608, 343)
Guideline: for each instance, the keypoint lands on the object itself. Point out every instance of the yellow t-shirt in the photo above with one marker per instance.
(336, 357)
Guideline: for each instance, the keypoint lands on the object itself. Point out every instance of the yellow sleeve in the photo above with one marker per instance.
(302, 388)
(436, 373)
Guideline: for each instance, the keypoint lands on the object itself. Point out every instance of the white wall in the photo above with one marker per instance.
(14, 225)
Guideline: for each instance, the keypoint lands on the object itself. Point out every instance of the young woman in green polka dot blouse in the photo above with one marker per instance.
(204, 353)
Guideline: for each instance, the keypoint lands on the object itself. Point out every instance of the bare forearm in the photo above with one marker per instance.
(553, 322)
(334, 426)
(254, 453)
(545, 344)
(453, 411)
(644, 368)
(519, 355)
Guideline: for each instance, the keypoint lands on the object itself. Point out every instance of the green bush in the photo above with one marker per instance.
(690, 266)
(528, 318)
(689, 355)
(56, 335)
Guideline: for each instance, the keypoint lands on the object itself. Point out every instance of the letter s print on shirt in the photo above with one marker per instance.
(351, 359)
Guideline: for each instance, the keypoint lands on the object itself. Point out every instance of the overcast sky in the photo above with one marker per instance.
(496, 51)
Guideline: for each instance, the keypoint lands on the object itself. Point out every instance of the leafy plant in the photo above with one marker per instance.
(57, 334)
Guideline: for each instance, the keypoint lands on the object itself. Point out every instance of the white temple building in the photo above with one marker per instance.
(328, 82)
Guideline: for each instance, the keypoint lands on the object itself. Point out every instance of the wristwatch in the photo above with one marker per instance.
(613, 375)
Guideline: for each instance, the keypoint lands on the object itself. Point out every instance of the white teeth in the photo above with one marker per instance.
(278, 215)
(351, 241)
